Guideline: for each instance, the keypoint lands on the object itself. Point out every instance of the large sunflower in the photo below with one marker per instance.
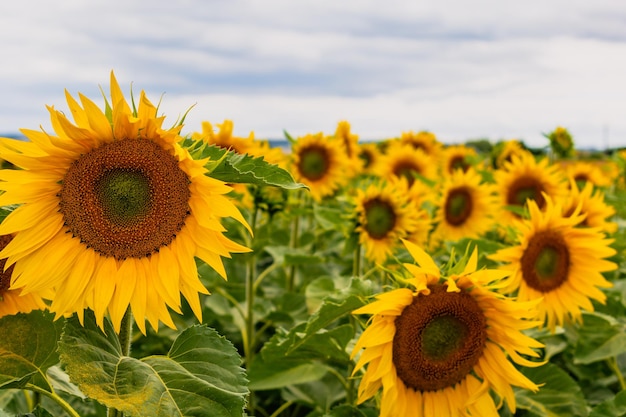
(523, 179)
(112, 213)
(466, 207)
(320, 163)
(440, 347)
(384, 216)
(558, 262)
(11, 301)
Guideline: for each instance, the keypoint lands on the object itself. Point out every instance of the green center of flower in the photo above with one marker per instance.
(442, 337)
(380, 218)
(125, 199)
(367, 158)
(523, 189)
(458, 207)
(124, 195)
(314, 162)
(439, 339)
(545, 262)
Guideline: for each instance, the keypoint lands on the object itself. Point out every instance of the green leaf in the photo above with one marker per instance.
(558, 396)
(615, 407)
(282, 374)
(287, 256)
(232, 167)
(200, 372)
(599, 338)
(28, 344)
(345, 411)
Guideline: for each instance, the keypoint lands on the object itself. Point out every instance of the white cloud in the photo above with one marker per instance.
(494, 69)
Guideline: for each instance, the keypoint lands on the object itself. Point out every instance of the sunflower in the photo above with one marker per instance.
(456, 157)
(504, 151)
(384, 216)
(524, 178)
(466, 207)
(11, 301)
(590, 202)
(351, 142)
(439, 347)
(424, 140)
(584, 171)
(224, 138)
(558, 262)
(117, 209)
(403, 160)
(320, 163)
(370, 155)
(561, 142)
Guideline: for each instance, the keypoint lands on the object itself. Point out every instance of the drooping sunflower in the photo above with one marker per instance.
(11, 301)
(117, 209)
(351, 142)
(557, 262)
(370, 155)
(403, 160)
(590, 202)
(384, 216)
(522, 179)
(466, 207)
(319, 162)
(440, 346)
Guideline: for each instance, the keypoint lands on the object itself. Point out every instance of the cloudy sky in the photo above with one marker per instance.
(495, 69)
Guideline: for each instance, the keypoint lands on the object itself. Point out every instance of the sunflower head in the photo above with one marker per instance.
(119, 210)
(561, 142)
(558, 263)
(321, 163)
(442, 340)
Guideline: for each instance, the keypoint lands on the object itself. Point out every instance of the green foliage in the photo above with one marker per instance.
(200, 372)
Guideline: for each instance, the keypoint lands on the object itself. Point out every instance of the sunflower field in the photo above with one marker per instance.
(152, 270)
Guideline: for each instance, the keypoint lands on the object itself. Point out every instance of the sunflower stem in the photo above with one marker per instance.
(293, 243)
(125, 337)
(250, 293)
(612, 362)
(53, 396)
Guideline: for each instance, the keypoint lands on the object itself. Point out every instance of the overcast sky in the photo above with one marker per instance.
(495, 69)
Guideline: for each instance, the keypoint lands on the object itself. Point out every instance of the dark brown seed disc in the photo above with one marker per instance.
(314, 162)
(5, 276)
(459, 205)
(439, 339)
(407, 169)
(545, 262)
(524, 188)
(380, 218)
(125, 199)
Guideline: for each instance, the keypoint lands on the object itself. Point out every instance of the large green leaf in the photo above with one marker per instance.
(28, 344)
(200, 374)
(615, 407)
(558, 396)
(599, 338)
(232, 167)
